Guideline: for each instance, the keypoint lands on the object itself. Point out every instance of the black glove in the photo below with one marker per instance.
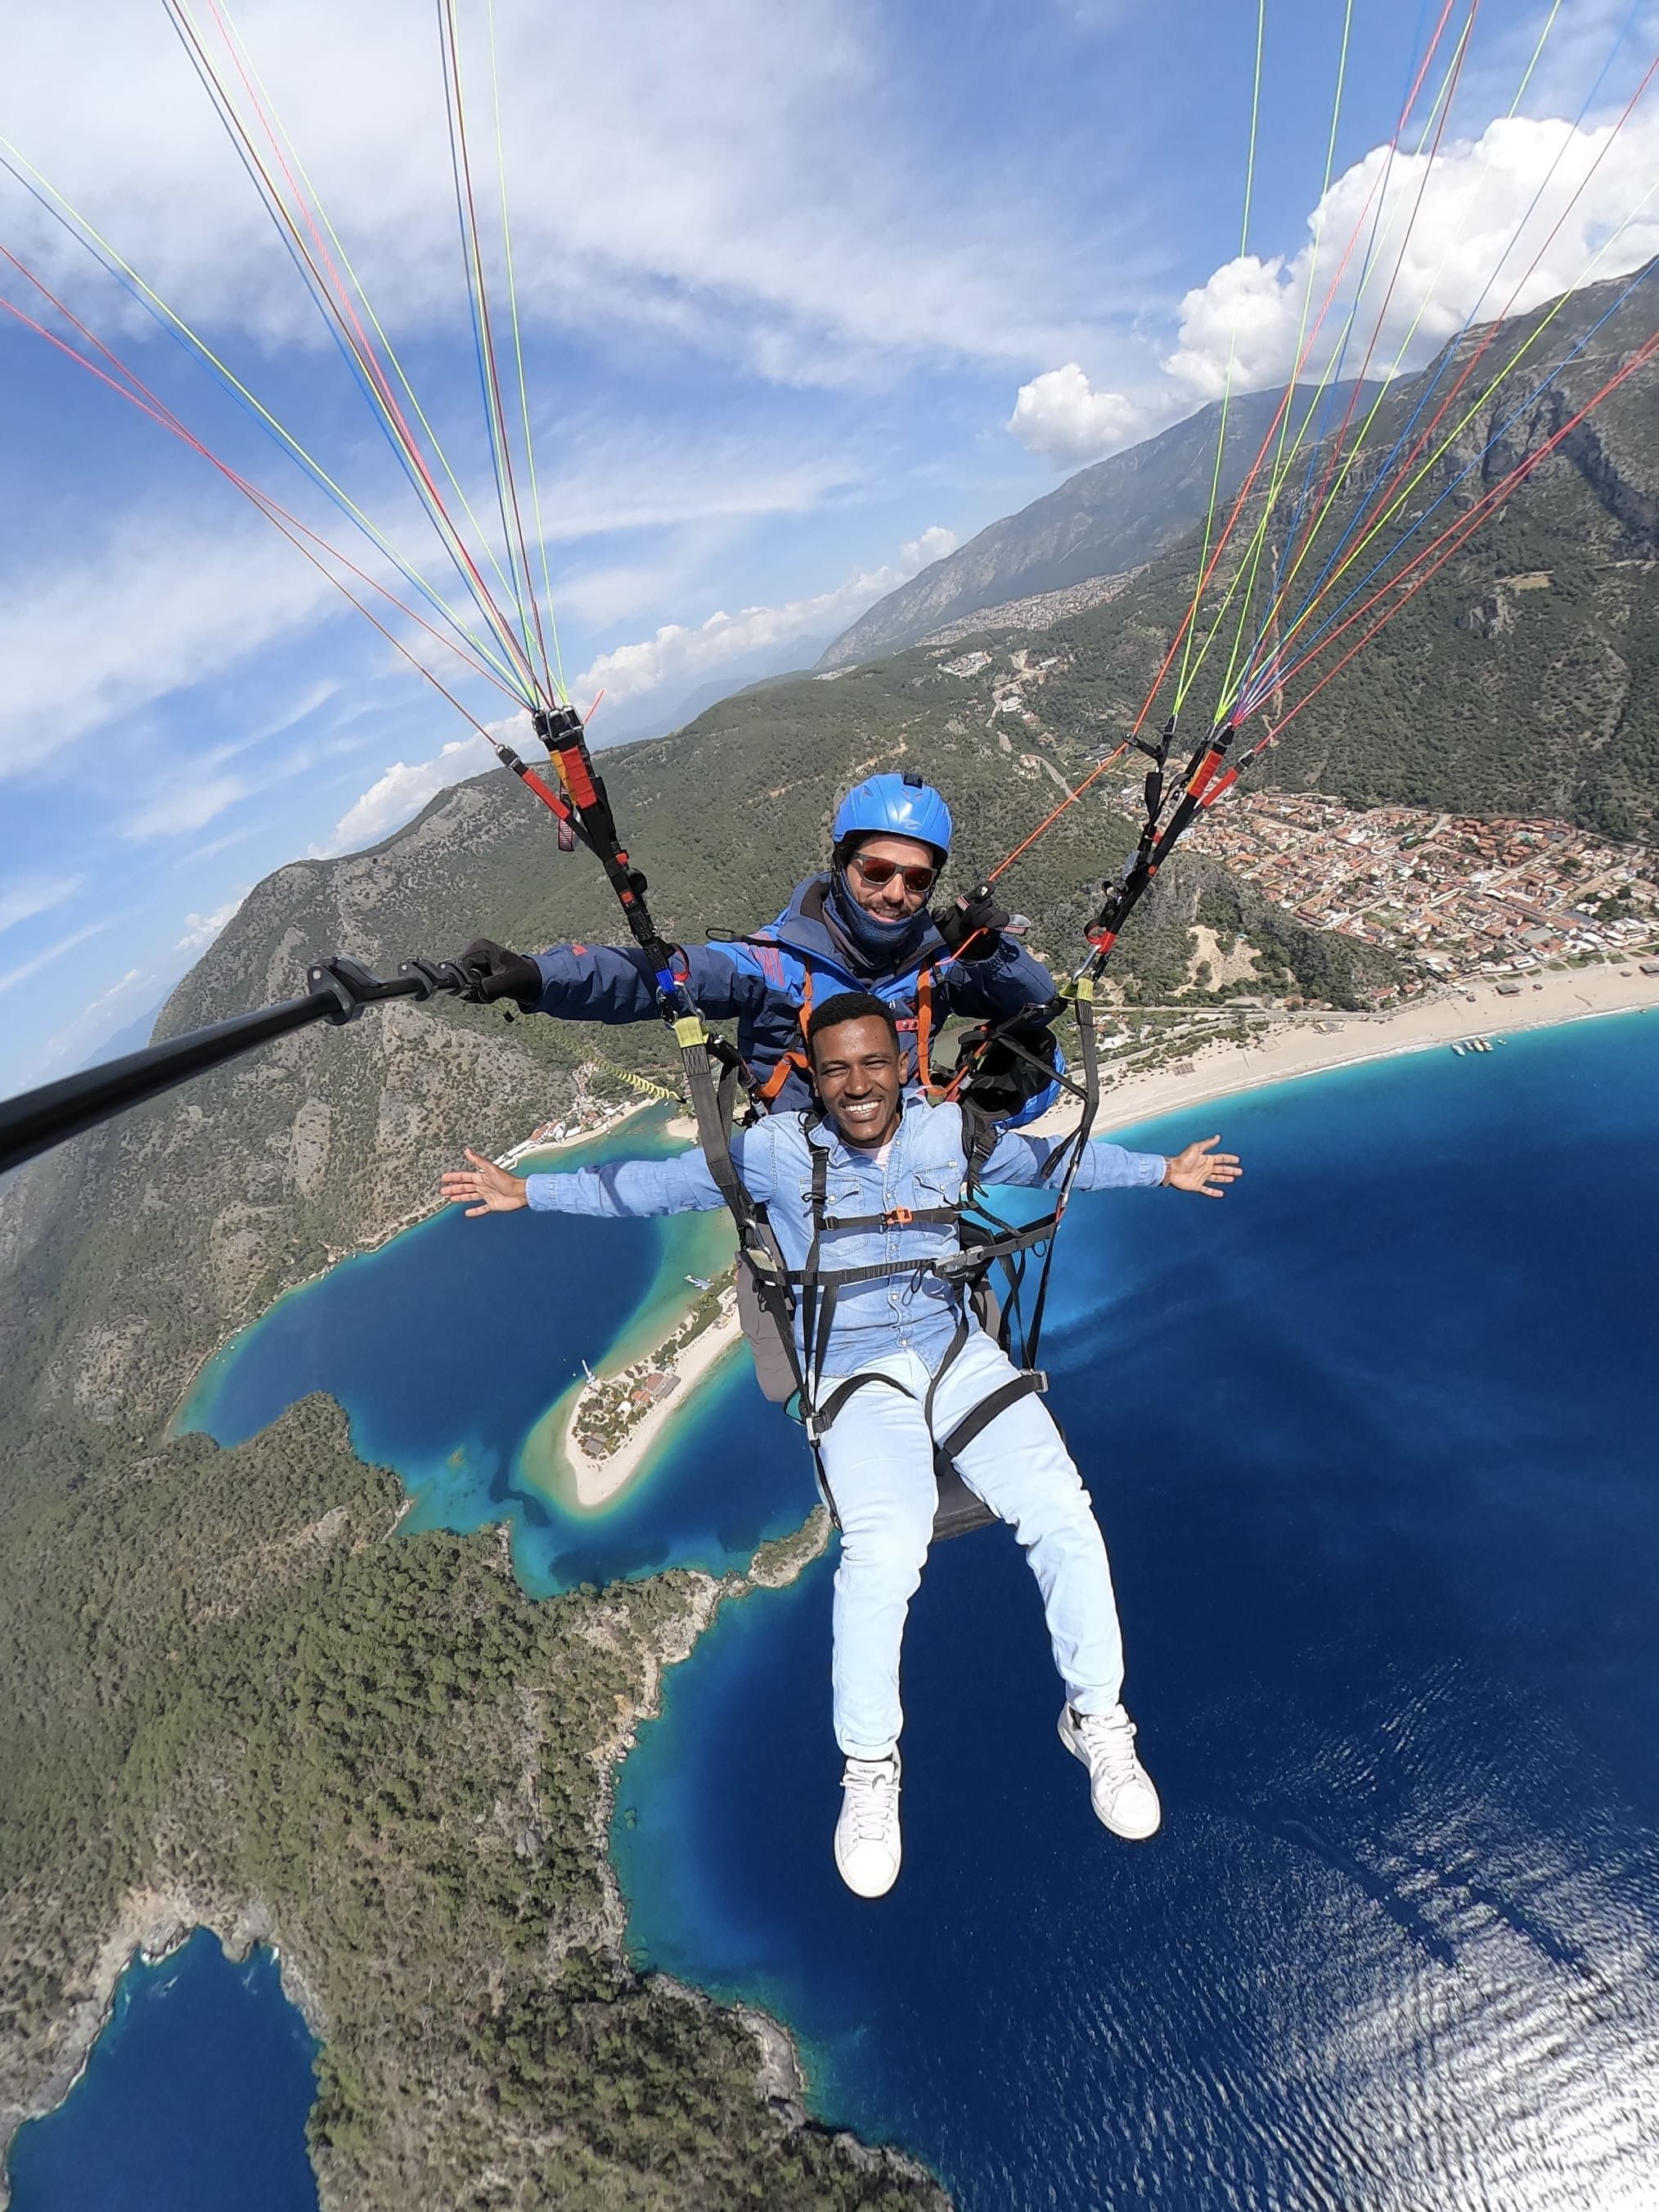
(972, 926)
(498, 974)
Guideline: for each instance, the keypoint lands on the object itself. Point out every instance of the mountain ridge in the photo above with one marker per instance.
(1101, 520)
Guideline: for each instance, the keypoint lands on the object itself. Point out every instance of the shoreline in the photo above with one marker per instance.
(1285, 1049)
(596, 1483)
(526, 1148)
(151, 1922)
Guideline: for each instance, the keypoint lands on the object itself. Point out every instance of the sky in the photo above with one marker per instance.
(807, 296)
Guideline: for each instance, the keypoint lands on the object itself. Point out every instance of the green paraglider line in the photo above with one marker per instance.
(518, 352)
(275, 130)
(1231, 691)
(1244, 576)
(1328, 582)
(507, 489)
(1460, 532)
(108, 258)
(330, 294)
(1232, 338)
(289, 524)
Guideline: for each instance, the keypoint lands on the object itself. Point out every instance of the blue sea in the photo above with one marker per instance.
(1374, 1447)
(194, 2099)
(1373, 1442)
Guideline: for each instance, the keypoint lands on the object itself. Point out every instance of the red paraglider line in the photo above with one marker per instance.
(158, 411)
(1452, 538)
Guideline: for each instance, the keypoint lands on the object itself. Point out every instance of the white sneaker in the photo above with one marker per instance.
(1122, 1790)
(867, 1847)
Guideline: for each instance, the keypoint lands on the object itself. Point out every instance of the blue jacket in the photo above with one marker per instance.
(762, 983)
(924, 1169)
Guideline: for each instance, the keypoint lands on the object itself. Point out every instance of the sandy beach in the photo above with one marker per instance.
(1306, 1044)
(598, 1481)
(530, 1146)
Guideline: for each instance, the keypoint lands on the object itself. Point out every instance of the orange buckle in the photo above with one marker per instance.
(900, 1218)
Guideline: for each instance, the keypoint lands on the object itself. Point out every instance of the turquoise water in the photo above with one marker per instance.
(1373, 1442)
(194, 2099)
(447, 1346)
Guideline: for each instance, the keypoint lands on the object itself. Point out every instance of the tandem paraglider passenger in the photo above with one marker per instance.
(863, 925)
(903, 1365)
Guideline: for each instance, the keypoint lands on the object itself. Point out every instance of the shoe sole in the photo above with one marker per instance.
(869, 1896)
(1124, 1835)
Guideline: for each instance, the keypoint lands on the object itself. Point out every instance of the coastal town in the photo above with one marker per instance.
(1454, 894)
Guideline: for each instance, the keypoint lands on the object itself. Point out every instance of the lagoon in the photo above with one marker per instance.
(1372, 1443)
(451, 1344)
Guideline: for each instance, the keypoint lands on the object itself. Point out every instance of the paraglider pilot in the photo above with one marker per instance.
(863, 925)
(888, 1159)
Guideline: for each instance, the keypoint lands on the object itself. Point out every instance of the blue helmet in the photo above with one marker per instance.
(894, 806)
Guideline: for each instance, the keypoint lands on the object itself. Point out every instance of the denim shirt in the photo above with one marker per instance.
(924, 1169)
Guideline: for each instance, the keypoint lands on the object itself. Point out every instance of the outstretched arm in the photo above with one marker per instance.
(1200, 1168)
(621, 1190)
(617, 983)
(611, 983)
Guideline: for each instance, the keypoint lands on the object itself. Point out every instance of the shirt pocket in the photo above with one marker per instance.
(936, 1187)
(841, 1196)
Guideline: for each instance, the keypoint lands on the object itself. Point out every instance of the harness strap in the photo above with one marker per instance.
(924, 1027)
(953, 1353)
(980, 1418)
(792, 1062)
(901, 1217)
(949, 1267)
(843, 1391)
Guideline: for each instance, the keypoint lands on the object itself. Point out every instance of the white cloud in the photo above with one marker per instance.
(398, 795)
(105, 999)
(763, 192)
(934, 543)
(680, 652)
(11, 977)
(28, 896)
(1466, 251)
(188, 800)
(201, 929)
(176, 603)
(1060, 415)
(96, 1021)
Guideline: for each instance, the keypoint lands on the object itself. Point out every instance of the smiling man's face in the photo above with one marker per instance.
(855, 1065)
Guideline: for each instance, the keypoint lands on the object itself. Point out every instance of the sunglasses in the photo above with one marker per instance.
(877, 872)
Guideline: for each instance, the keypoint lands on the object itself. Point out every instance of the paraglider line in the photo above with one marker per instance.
(1242, 496)
(338, 312)
(1452, 538)
(507, 489)
(274, 129)
(1268, 679)
(148, 403)
(1333, 573)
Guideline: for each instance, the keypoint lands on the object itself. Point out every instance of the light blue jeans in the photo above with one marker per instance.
(879, 1462)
